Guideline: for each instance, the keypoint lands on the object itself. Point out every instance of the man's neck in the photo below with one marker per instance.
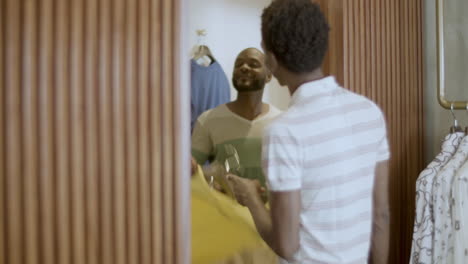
(248, 105)
(296, 80)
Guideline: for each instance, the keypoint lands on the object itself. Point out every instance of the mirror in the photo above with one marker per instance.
(452, 32)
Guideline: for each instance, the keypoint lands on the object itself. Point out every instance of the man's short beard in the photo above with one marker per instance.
(255, 86)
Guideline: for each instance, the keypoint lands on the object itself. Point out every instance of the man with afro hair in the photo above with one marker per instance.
(325, 158)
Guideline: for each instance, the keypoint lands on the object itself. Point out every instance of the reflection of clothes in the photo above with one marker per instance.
(460, 215)
(443, 228)
(209, 88)
(222, 230)
(327, 145)
(219, 127)
(421, 250)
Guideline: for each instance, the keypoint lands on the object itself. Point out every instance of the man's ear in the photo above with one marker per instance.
(271, 63)
(268, 76)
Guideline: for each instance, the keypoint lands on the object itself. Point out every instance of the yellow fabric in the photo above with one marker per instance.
(223, 231)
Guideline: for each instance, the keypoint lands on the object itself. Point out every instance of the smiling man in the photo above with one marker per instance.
(239, 123)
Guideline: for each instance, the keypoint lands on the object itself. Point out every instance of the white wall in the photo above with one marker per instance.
(437, 119)
(233, 25)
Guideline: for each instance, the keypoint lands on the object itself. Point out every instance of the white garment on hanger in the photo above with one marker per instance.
(460, 215)
(443, 228)
(421, 250)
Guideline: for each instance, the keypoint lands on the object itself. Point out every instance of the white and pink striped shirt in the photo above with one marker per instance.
(327, 144)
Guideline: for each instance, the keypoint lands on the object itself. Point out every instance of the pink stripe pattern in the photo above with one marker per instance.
(338, 203)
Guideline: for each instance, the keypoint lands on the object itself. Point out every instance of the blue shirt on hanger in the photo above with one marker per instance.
(209, 88)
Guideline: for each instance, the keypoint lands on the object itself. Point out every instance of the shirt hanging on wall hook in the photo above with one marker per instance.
(202, 53)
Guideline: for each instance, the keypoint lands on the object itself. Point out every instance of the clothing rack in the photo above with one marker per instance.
(458, 105)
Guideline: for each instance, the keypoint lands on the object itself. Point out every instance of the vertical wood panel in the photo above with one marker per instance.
(144, 142)
(118, 144)
(77, 133)
(405, 121)
(156, 133)
(398, 133)
(395, 117)
(131, 154)
(349, 79)
(106, 145)
(14, 194)
(378, 38)
(346, 45)
(362, 86)
(387, 52)
(2, 139)
(373, 49)
(94, 93)
(46, 134)
(30, 131)
(167, 130)
(91, 133)
(62, 101)
(335, 13)
(368, 38)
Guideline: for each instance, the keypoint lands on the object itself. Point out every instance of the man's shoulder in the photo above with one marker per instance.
(280, 124)
(218, 112)
(273, 111)
(362, 103)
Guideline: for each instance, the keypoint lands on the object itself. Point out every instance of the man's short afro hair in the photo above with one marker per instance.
(296, 32)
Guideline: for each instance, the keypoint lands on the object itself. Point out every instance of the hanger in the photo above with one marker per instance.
(455, 128)
(466, 128)
(202, 50)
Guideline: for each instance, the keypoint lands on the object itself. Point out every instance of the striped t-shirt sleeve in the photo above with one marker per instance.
(281, 159)
(383, 152)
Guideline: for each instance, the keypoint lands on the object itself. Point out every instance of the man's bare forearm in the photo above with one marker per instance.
(262, 218)
(380, 238)
(381, 216)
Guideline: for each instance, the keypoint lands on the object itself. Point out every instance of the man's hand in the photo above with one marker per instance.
(245, 190)
(279, 227)
(215, 170)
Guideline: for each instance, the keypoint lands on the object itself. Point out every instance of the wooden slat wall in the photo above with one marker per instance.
(93, 131)
(377, 45)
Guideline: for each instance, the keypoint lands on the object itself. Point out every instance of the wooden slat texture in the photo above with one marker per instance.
(118, 96)
(108, 168)
(335, 16)
(77, 133)
(382, 59)
(144, 190)
(3, 220)
(47, 135)
(91, 132)
(156, 132)
(131, 141)
(30, 131)
(346, 45)
(167, 131)
(90, 100)
(368, 38)
(13, 154)
(62, 121)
